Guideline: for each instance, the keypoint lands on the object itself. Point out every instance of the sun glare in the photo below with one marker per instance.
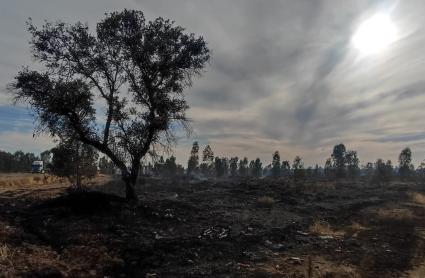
(375, 34)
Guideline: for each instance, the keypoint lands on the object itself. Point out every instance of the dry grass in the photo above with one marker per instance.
(417, 197)
(5, 253)
(322, 228)
(266, 201)
(417, 272)
(356, 226)
(395, 213)
(309, 267)
(28, 180)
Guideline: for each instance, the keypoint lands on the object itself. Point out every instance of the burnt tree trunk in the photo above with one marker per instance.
(130, 190)
(130, 180)
(130, 184)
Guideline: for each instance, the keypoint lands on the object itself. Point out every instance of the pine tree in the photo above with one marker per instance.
(251, 168)
(221, 166)
(243, 167)
(207, 161)
(338, 157)
(405, 163)
(328, 170)
(258, 168)
(352, 164)
(193, 163)
(285, 168)
(381, 172)
(233, 164)
(170, 167)
(276, 164)
(298, 167)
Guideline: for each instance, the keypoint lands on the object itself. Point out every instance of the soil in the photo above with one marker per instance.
(226, 228)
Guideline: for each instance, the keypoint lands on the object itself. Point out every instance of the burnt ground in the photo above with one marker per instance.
(244, 228)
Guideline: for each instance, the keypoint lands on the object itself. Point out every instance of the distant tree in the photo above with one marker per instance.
(352, 164)
(16, 162)
(221, 166)
(22, 161)
(369, 170)
(328, 170)
(405, 169)
(338, 157)
(218, 167)
(298, 168)
(208, 155)
(233, 164)
(138, 68)
(382, 173)
(285, 168)
(389, 169)
(106, 166)
(276, 164)
(180, 170)
(258, 168)
(203, 168)
(170, 167)
(308, 172)
(316, 172)
(193, 163)
(46, 156)
(7, 162)
(208, 161)
(225, 163)
(267, 170)
(158, 166)
(421, 170)
(74, 160)
(243, 167)
(251, 168)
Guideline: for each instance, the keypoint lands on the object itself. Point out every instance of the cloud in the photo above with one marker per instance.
(283, 74)
(13, 141)
(15, 119)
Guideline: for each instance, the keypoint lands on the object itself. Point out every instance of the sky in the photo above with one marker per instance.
(284, 75)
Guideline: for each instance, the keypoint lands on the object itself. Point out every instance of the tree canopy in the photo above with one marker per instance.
(133, 71)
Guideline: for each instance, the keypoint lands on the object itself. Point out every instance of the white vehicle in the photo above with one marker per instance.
(37, 166)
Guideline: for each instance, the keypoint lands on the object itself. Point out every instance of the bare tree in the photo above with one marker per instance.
(136, 70)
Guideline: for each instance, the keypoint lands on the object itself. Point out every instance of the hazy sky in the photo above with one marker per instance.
(284, 75)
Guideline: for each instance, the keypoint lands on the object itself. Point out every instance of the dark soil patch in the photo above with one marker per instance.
(82, 203)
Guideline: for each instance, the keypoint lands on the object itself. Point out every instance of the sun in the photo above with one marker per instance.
(375, 34)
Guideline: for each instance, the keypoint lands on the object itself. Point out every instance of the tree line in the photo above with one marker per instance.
(19, 161)
(342, 163)
(77, 161)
